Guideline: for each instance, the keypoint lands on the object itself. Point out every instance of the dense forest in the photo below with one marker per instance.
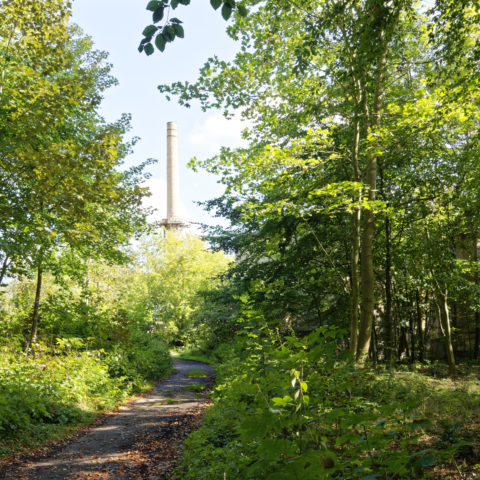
(340, 306)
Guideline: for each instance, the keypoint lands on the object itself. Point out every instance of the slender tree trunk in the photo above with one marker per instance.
(366, 271)
(402, 343)
(36, 307)
(420, 329)
(3, 270)
(476, 347)
(428, 318)
(389, 347)
(378, 46)
(374, 345)
(355, 298)
(412, 337)
(442, 302)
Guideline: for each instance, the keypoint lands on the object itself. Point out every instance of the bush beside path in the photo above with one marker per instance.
(141, 441)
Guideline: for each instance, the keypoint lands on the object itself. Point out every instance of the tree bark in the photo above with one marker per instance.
(403, 344)
(367, 275)
(412, 337)
(355, 298)
(374, 345)
(442, 302)
(420, 329)
(389, 347)
(36, 307)
(3, 270)
(476, 347)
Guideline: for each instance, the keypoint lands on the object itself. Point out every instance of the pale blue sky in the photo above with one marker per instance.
(116, 26)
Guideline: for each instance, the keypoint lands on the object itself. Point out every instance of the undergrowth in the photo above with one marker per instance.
(44, 396)
(299, 409)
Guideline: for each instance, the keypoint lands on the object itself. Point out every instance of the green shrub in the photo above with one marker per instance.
(149, 355)
(297, 408)
(69, 386)
(144, 358)
(53, 390)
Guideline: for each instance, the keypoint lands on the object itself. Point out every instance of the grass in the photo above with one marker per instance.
(196, 387)
(452, 408)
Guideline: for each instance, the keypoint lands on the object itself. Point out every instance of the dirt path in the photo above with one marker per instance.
(139, 442)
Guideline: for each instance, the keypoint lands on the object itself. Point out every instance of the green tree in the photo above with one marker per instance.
(62, 188)
(383, 83)
(172, 269)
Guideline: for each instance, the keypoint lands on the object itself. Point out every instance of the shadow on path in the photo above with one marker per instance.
(140, 441)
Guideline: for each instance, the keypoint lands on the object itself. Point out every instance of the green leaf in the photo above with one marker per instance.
(153, 5)
(149, 49)
(160, 43)
(230, 3)
(149, 31)
(158, 14)
(226, 11)
(178, 30)
(140, 48)
(174, 4)
(175, 20)
(243, 11)
(282, 402)
(169, 33)
(185, 2)
(215, 3)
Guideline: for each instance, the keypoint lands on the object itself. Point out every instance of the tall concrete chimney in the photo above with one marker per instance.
(173, 186)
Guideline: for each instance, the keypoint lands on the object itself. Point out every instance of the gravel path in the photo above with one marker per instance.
(140, 441)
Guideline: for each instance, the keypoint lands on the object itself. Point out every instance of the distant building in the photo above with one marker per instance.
(174, 221)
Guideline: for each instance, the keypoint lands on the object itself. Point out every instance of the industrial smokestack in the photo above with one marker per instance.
(173, 186)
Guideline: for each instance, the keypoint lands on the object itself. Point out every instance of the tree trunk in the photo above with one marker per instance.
(428, 317)
(367, 279)
(420, 329)
(402, 344)
(377, 46)
(389, 347)
(355, 299)
(36, 307)
(412, 337)
(3, 270)
(442, 303)
(476, 347)
(366, 271)
(374, 345)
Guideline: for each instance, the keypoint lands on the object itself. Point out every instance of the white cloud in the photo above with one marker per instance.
(217, 131)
